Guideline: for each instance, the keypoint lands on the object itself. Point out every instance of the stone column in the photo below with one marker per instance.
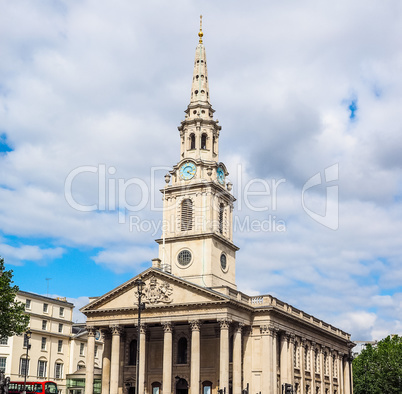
(322, 369)
(107, 347)
(291, 359)
(195, 357)
(340, 374)
(266, 361)
(247, 349)
(90, 361)
(237, 358)
(115, 360)
(284, 358)
(331, 370)
(167, 357)
(312, 366)
(302, 366)
(142, 343)
(224, 355)
(347, 375)
(274, 361)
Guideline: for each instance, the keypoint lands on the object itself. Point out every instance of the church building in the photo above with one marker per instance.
(198, 333)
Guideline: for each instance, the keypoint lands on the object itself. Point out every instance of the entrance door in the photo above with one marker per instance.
(182, 386)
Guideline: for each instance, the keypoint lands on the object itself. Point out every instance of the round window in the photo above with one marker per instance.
(184, 257)
(223, 261)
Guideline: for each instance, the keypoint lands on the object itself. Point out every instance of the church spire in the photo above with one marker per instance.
(199, 87)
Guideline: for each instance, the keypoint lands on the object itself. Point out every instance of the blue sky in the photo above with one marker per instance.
(308, 94)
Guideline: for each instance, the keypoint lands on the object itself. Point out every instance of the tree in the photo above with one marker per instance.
(13, 319)
(378, 368)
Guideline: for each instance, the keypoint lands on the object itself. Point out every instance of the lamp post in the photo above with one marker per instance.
(27, 337)
(140, 284)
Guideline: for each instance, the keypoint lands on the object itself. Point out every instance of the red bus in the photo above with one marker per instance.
(33, 387)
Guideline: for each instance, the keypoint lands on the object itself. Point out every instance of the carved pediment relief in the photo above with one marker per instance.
(155, 291)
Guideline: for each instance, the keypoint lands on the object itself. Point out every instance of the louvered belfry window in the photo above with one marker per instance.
(186, 215)
(221, 212)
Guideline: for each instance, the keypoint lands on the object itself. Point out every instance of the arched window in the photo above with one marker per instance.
(42, 365)
(24, 366)
(192, 141)
(80, 365)
(182, 351)
(221, 212)
(186, 215)
(156, 388)
(58, 369)
(132, 359)
(204, 141)
(206, 387)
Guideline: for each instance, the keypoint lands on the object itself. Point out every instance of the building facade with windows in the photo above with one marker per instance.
(198, 333)
(56, 347)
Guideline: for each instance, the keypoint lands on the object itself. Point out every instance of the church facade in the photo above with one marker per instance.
(198, 333)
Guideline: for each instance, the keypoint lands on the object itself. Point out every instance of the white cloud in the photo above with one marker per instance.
(93, 83)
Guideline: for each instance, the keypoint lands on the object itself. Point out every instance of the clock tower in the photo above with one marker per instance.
(197, 236)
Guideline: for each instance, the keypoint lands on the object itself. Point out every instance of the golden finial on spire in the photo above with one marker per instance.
(200, 34)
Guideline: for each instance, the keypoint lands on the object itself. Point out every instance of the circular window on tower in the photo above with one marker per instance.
(224, 263)
(184, 258)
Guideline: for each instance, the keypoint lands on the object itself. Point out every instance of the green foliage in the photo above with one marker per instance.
(13, 319)
(378, 369)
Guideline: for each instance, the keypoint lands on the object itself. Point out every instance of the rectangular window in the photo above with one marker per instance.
(43, 344)
(61, 311)
(44, 324)
(4, 341)
(41, 369)
(60, 327)
(58, 371)
(96, 350)
(27, 304)
(60, 345)
(3, 361)
(24, 366)
(81, 349)
(45, 308)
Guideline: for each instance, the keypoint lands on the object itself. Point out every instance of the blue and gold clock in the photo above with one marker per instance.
(187, 170)
(220, 174)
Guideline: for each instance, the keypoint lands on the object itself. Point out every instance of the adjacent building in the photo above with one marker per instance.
(198, 332)
(57, 347)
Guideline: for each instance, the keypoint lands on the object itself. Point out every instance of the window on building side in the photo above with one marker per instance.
(44, 324)
(60, 327)
(207, 387)
(24, 366)
(4, 341)
(60, 345)
(3, 361)
(58, 370)
(182, 351)
(156, 388)
(192, 141)
(81, 349)
(132, 359)
(42, 368)
(45, 308)
(61, 312)
(27, 304)
(43, 344)
(186, 215)
(204, 141)
(80, 365)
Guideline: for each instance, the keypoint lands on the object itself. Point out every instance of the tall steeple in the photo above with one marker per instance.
(197, 239)
(199, 87)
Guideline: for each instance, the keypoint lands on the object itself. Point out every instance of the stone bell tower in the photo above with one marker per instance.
(197, 238)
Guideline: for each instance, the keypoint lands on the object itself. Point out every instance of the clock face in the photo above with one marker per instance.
(187, 170)
(220, 175)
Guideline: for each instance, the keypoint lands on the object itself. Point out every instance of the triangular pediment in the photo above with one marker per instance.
(160, 290)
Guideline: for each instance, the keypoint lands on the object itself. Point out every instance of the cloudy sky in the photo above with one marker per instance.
(309, 97)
